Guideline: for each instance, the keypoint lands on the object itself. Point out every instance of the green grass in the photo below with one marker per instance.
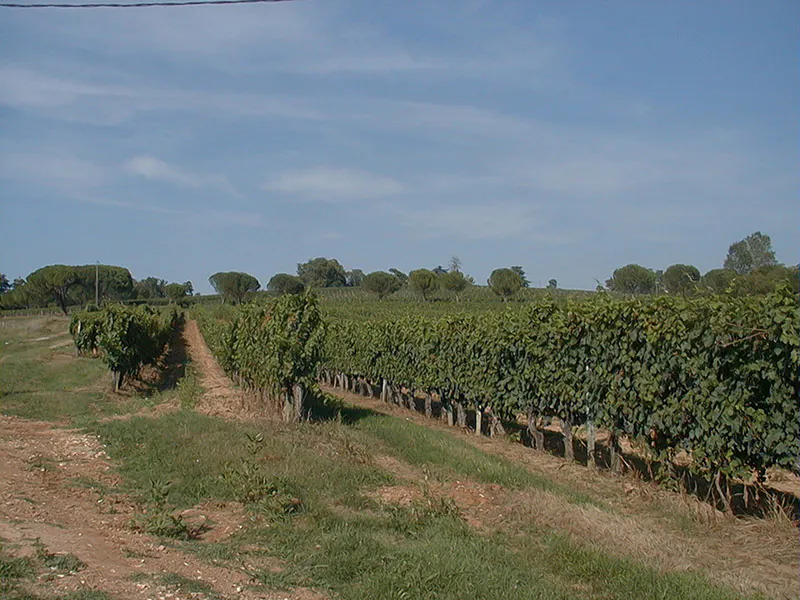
(344, 542)
(18, 572)
(50, 384)
(448, 457)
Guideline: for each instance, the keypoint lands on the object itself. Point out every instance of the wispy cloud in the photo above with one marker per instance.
(329, 184)
(154, 169)
(79, 100)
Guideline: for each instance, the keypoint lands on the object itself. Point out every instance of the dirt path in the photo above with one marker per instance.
(220, 397)
(646, 522)
(58, 486)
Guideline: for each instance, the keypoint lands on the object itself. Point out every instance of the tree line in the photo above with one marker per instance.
(750, 268)
(82, 285)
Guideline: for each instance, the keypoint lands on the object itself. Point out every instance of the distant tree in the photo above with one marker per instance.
(454, 281)
(4, 283)
(381, 284)
(322, 272)
(660, 286)
(17, 297)
(17, 283)
(505, 282)
(150, 287)
(681, 279)
(176, 291)
(717, 281)
(519, 271)
(632, 279)
(764, 280)
(422, 281)
(189, 288)
(52, 283)
(552, 284)
(354, 277)
(114, 283)
(749, 254)
(455, 264)
(283, 283)
(401, 277)
(440, 270)
(233, 285)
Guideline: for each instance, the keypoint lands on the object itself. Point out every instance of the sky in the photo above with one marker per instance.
(570, 138)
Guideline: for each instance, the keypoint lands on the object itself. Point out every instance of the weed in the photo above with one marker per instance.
(191, 586)
(158, 519)
(251, 485)
(189, 389)
(40, 462)
(60, 563)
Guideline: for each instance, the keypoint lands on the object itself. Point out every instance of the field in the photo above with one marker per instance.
(182, 486)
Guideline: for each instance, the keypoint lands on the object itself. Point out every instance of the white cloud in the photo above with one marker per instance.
(330, 184)
(154, 169)
(77, 100)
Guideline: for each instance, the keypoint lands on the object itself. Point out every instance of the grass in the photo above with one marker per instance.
(343, 541)
(448, 457)
(16, 572)
(313, 518)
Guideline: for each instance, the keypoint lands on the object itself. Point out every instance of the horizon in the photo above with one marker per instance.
(568, 139)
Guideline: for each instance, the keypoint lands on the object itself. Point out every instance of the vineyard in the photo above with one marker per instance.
(715, 378)
(271, 350)
(174, 488)
(126, 338)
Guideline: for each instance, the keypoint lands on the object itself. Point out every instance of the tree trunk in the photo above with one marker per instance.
(428, 406)
(537, 435)
(299, 403)
(614, 452)
(495, 426)
(449, 411)
(384, 391)
(288, 406)
(461, 414)
(569, 450)
(591, 438)
(116, 378)
(478, 421)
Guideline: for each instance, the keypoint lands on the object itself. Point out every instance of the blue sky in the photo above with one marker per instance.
(567, 137)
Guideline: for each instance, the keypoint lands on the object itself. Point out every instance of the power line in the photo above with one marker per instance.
(140, 4)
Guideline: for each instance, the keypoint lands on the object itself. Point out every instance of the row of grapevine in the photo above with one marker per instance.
(715, 377)
(272, 350)
(126, 337)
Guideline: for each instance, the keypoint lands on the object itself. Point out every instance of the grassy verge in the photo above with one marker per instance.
(313, 521)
